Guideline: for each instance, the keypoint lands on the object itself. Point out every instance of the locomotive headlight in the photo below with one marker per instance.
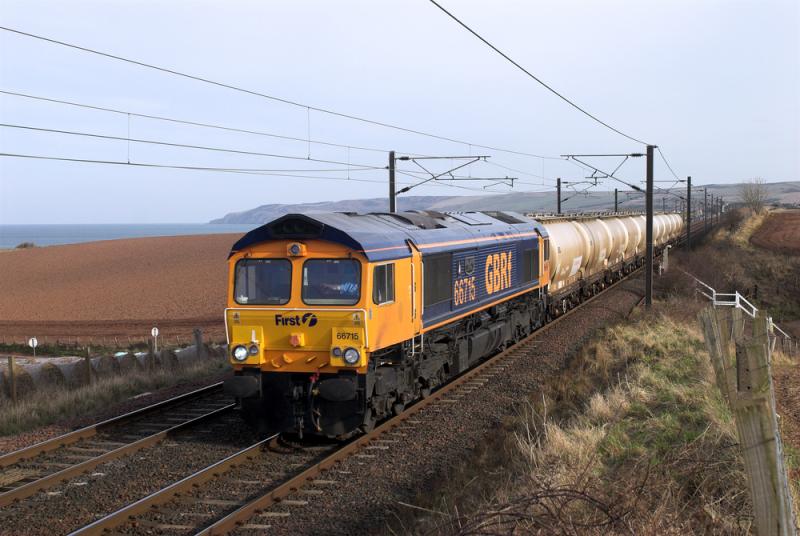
(337, 352)
(240, 353)
(351, 356)
(253, 349)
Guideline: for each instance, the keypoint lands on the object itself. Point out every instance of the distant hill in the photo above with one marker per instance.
(778, 193)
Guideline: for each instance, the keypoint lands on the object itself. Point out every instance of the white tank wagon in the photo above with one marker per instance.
(569, 252)
(584, 246)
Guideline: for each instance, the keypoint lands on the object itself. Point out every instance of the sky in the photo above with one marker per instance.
(715, 84)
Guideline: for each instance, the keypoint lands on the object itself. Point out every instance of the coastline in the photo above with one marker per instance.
(44, 235)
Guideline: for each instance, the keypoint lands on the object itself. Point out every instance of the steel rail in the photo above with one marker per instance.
(53, 479)
(236, 518)
(89, 431)
(172, 491)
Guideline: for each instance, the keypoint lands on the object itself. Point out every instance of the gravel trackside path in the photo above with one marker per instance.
(366, 488)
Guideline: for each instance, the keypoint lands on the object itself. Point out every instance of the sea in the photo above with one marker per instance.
(11, 235)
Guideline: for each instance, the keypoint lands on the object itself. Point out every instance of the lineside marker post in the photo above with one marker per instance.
(648, 277)
(616, 204)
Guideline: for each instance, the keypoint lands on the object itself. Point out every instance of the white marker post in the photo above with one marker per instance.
(33, 343)
(154, 333)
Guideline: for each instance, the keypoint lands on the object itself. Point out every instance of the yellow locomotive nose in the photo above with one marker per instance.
(301, 340)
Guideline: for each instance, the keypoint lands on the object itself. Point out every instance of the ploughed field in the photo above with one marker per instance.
(780, 232)
(115, 288)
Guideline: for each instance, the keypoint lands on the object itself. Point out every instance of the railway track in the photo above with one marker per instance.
(241, 491)
(213, 492)
(39, 467)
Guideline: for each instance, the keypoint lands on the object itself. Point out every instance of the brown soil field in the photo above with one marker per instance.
(787, 399)
(115, 288)
(780, 232)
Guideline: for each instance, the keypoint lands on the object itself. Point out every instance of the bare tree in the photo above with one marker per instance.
(754, 194)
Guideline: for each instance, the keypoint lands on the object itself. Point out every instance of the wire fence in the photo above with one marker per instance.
(59, 343)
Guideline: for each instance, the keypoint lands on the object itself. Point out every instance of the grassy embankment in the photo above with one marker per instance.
(634, 436)
(56, 404)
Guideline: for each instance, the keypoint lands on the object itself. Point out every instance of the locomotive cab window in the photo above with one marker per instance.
(331, 282)
(383, 284)
(262, 282)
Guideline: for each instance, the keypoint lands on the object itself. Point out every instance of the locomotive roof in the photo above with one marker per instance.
(385, 236)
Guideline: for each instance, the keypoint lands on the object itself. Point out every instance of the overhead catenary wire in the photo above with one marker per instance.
(418, 174)
(536, 78)
(444, 182)
(128, 114)
(290, 102)
(251, 171)
(628, 184)
(274, 172)
(353, 167)
(491, 163)
(664, 158)
(192, 123)
(241, 171)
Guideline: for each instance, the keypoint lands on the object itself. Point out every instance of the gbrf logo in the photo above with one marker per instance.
(308, 320)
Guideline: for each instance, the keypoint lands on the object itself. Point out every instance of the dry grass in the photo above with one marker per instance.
(651, 453)
(741, 235)
(42, 408)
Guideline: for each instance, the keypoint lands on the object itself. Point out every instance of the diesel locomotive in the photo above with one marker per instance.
(338, 320)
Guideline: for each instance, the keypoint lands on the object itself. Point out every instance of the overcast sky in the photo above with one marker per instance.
(716, 84)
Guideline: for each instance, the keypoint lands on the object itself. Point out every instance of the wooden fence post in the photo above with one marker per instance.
(752, 401)
(12, 378)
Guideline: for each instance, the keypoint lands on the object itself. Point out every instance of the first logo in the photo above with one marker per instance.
(308, 319)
